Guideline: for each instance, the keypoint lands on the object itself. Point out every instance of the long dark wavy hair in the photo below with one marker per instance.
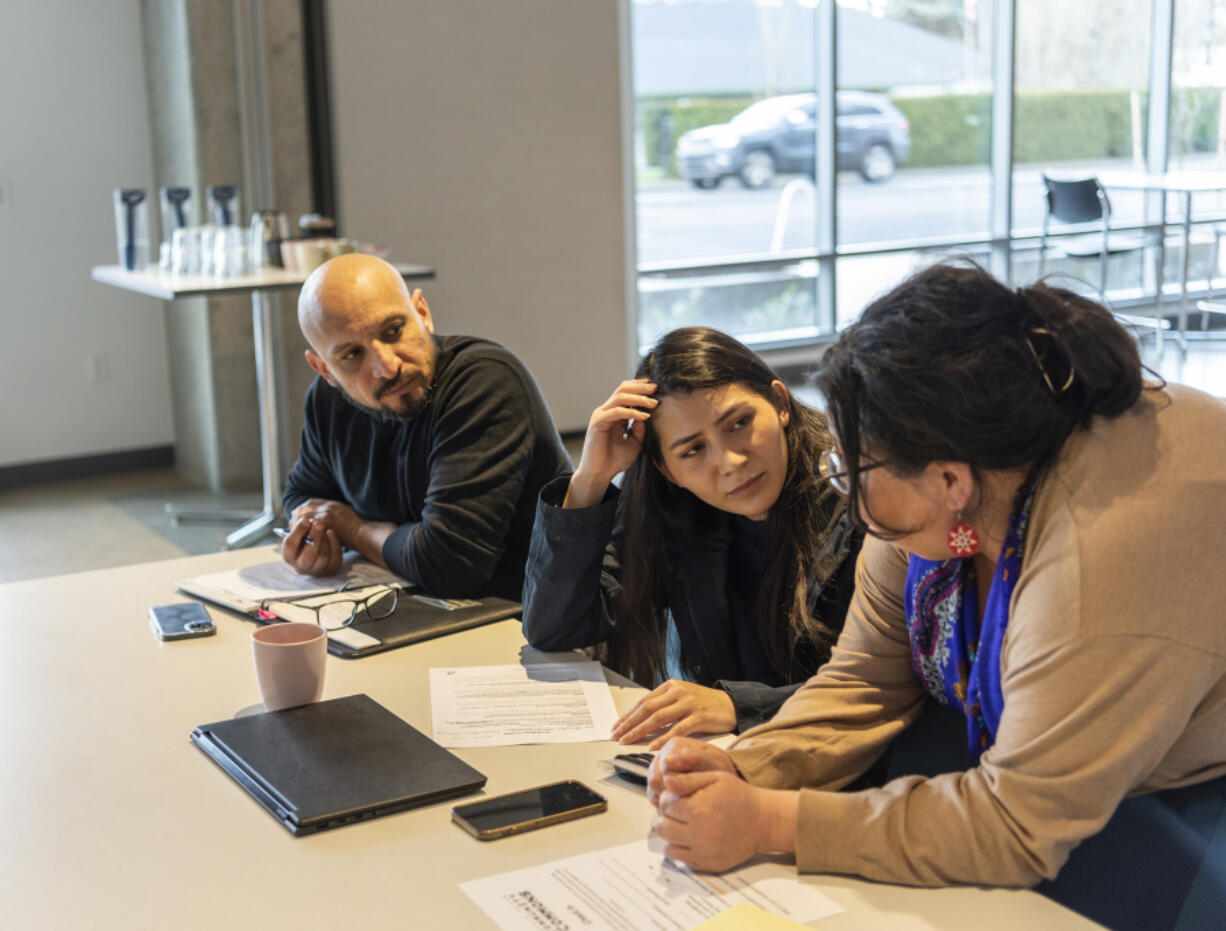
(953, 365)
(658, 512)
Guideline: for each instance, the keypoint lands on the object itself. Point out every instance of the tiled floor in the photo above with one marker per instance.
(120, 520)
(114, 521)
(98, 523)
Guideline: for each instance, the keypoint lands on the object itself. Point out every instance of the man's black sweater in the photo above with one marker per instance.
(460, 479)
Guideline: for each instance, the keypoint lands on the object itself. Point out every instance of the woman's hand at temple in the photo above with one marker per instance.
(712, 819)
(682, 707)
(606, 448)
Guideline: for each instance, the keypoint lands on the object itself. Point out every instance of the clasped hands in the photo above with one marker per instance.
(709, 817)
(320, 532)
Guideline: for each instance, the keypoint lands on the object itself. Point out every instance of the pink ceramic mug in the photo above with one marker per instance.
(289, 663)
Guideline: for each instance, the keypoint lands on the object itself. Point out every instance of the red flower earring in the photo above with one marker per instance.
(962, 538)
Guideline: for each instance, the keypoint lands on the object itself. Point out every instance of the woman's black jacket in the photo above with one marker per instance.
(572, 581)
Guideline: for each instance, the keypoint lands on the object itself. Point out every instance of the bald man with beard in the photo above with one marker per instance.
(423, 452)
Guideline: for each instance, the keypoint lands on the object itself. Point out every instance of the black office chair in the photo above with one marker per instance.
(1079, 203)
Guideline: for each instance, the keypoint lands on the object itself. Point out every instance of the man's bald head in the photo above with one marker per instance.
(369, 336)
(340, 286)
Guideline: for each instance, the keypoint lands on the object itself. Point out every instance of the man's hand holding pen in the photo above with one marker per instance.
(318, 534)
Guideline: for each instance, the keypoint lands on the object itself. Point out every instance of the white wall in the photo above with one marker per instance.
(73, 125)
(485, 139)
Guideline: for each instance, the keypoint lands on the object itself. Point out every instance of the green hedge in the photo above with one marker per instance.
(1195, 114)
(955, 129)
(1068, 125)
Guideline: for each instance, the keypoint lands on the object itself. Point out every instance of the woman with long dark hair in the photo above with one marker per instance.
(1045, 562)
(723, 533)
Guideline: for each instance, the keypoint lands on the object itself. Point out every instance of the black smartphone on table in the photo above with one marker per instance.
(528, 810)
(181, 620)
(633, 766)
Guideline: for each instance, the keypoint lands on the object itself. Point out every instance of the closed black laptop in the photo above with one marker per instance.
(335, 762)
(417, 617)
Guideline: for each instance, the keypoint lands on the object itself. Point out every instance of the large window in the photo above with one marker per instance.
(1198, 121)
(1198, 87)
(1080, 102)
(725, 130)
(914, 120)
(731, 195)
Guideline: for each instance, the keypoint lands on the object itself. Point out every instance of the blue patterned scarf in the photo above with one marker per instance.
(959, 663)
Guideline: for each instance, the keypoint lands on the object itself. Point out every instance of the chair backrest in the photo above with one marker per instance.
(1079, 201)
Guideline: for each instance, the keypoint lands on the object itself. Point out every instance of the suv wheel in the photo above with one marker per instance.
(705, 184)
(758, 170)
(877, 163)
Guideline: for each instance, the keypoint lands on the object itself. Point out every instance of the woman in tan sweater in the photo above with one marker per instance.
(1045, 558)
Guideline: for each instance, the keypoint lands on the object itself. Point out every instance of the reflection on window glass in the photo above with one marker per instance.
(765, 303)
(726, 142)
(914, 120)
(1198, 117)
(1080, 106)
(723, 94)
(724, 149)
(864, 278)
(1198, 86)
(726, 139)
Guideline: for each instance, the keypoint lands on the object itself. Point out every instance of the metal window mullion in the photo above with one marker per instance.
(1000, 209)
(1162, 32)
(826, 214)
(1157, 135)
(629, 187)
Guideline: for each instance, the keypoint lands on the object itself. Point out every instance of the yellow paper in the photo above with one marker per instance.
(748, 918)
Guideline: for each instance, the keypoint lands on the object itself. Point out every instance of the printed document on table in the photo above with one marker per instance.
(635, 886)
(244, 589)
(500, 706)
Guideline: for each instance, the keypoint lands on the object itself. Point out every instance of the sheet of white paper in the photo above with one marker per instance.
(500, 706)
(277, 580)
(635, 886)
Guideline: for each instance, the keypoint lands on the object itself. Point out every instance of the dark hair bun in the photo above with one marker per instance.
(952, 364)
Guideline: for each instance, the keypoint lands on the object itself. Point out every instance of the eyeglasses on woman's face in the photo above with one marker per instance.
(834, 470)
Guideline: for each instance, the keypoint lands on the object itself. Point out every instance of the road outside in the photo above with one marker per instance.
(678, 223)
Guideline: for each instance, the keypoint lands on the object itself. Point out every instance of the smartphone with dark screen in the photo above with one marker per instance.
(181, 620)
(528, 810)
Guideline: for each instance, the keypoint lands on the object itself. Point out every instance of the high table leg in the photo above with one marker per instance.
(207, 515)
(1183, 274)
(265, 333)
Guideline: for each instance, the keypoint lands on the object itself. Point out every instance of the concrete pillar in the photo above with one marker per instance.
(197, 141)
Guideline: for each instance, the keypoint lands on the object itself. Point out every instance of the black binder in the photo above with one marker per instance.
(332, 763)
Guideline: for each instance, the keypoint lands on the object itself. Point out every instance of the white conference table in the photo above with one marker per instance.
(168, 287)
(1186, 184)
(113, 819)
